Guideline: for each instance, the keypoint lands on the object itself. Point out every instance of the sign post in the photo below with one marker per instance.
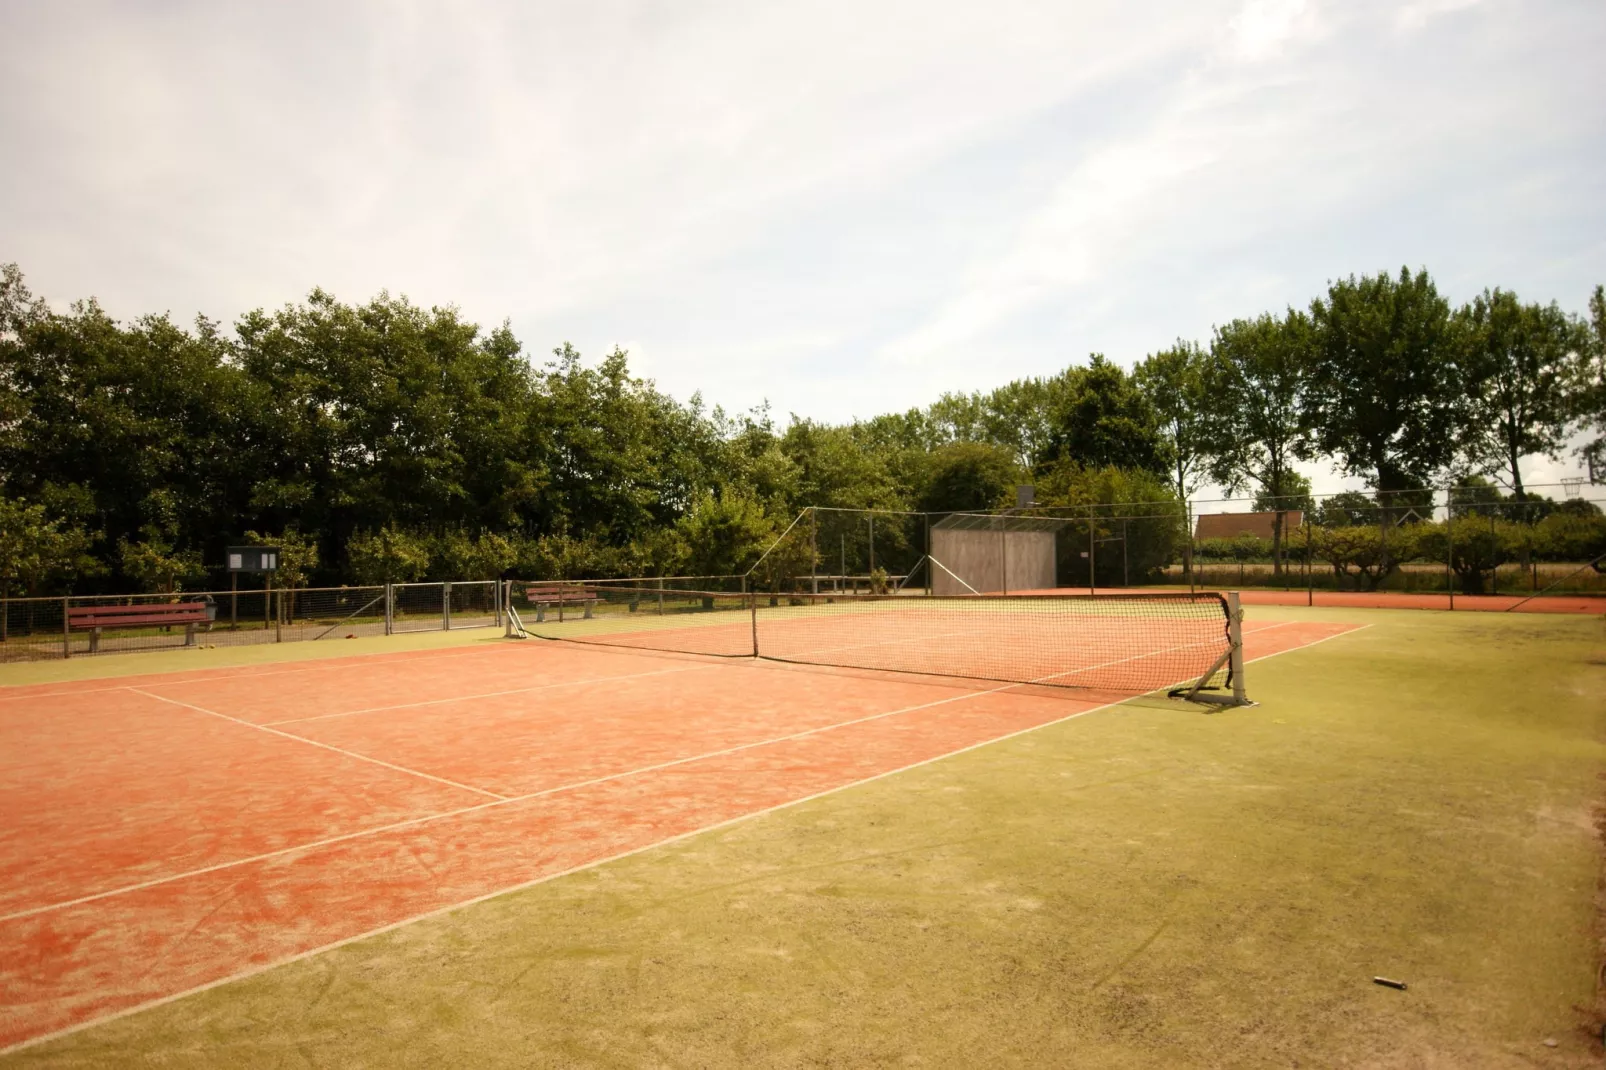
(263, 559)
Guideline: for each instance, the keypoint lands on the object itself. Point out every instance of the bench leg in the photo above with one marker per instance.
(540, 612)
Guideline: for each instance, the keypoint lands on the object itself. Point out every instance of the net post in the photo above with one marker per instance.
(1235, 633)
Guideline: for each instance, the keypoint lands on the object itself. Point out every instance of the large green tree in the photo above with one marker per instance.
(1103, 420)
(1589, 385)
(1386, 392)
(1181, 384)
(968, 477)
(1519, 365)
(1257, 419)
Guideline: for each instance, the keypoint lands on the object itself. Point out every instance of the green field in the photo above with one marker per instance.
(1145, 886)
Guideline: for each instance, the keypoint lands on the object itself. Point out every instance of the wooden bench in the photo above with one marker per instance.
(92, 619)
(560, 595)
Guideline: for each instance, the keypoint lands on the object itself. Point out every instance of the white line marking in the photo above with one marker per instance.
(667, 841)
(487, 694)
(315, 743)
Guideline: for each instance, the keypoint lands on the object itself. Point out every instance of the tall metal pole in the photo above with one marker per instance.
(814, 550)
(1494, 573)
(1092, 551)
(1126, 571)
(1188, 561)
(930, 579)
(872, 542)
(1449, 555)
(1310, 569)
(1003, 555)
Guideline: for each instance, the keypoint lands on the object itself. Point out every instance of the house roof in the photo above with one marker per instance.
(1231, 525)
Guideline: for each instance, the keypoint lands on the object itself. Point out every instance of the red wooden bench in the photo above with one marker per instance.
(92, 619)
(560, 595)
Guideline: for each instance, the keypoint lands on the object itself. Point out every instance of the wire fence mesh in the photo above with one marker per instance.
(34, 629)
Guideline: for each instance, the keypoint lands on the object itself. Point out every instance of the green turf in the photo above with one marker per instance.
(1140, 887)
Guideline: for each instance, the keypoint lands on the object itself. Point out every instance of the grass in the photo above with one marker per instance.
(1145, 886)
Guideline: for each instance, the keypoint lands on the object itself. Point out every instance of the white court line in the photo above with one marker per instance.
(511, 889)
(315, 743)
(487, 694)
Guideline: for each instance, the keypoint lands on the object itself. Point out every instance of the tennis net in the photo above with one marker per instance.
(1121, 643)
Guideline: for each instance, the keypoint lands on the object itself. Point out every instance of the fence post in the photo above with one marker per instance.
(278, 614)
(1188, 562)
(1449, 555)
(1092, 552)
(1494, 573)
(446, 607)
(1310, 569)
(390, 609)
(66, 630)
(1003, 555)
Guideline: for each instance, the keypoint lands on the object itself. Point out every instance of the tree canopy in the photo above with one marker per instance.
(386, 440)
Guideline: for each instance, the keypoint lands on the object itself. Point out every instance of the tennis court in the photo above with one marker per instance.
(174, 832)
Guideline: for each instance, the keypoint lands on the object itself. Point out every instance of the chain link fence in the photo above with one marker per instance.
(33, 629)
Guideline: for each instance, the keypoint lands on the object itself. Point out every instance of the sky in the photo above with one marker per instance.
(841, 208)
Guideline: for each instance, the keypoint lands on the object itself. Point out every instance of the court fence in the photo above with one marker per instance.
(38, 629)
(1451, 541)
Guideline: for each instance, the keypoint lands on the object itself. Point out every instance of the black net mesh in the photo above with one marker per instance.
(1124, 643)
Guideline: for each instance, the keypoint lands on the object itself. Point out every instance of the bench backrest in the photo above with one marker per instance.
(106, 616)
(554, 594)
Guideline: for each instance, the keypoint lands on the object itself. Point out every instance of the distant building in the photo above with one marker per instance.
(1232, 525)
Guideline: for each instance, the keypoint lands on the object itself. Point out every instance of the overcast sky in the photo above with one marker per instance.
(844, 208)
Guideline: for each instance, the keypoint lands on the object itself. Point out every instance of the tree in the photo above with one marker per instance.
(1179, 383)
(36, 549)
(389, 555)
(1386, 394)
(1518, 363)
(967, 477)
(1257, 423)
(1104, 420)
(725, 533)
(1589, 385)
(1348, 508)
(155, 564)
(1138, 524)
(1385, 391)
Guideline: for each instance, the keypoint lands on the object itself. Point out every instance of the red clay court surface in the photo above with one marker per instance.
(166, 833)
